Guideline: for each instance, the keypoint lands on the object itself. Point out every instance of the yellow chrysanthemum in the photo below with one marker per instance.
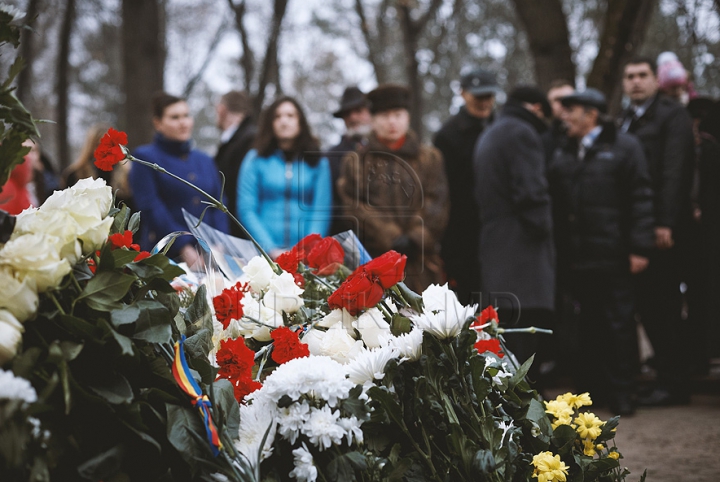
(549, 468)
(576, 401)
(599, 447)
(558, 409)
(589, 448)
(588, 425)
(614, 455)
(564, 420)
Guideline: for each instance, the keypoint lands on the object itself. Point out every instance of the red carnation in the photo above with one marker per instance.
(244, 386)
(388, 269)
(287, 345)
(487, 315)
(110, 151)
(123, 241)
(235, 359)
(141, 256)
(326, 256)
(289, 260)
(228, 304)
(493, 345)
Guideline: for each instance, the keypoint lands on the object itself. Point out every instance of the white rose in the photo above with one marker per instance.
(372, 326)
(259, 273)
(336, 316)
(95, 235)
(283, 294)
(335, 343)
(254, 310)
(56, 223)
(96, 191)
(18, 297)
(10, 336)
(36, 256)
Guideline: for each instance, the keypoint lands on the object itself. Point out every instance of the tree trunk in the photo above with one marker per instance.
(372, 53)
(626, 23)
(547, 33)
(143, 38)
(27, 52)
(63, 82)
(268, 70)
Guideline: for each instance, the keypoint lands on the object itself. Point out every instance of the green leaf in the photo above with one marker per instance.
(145, 271)
(224, 400)
(342, 467)
(125, 315)
(70, 349)
(120, 221)
(134, 223)
(387, 403)
(113, 387)
(169, 270)
(519, 376)
(536, 413)
(563, 438)
(106, 288)
(484, 461)
(125, 343)
(123, 257)
(79, 327)
(400, 324)
(153, 323)
(198, 315)
(104, 465)
(182, 423)
(414, 300)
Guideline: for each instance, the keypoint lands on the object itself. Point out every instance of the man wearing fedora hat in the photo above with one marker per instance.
(394, 188)
(603, 207)
(456, 140)
(354, 112)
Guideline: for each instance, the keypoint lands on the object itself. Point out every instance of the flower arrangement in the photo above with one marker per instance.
(308, 370)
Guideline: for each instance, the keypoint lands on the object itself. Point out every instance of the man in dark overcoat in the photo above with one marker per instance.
(238, 133)
(395, 189)
(517, 255)
(665, 131)
(456, 141)
(355, 113)
(603, 208)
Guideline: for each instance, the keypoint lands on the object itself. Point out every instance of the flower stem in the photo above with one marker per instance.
(214, 203)
(530, 329)
(56, 302)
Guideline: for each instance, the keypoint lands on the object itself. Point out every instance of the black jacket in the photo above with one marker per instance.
(517, 254)
(456, 141)
(665, 131)
(603, 204)
(335, 156)
(228, 159)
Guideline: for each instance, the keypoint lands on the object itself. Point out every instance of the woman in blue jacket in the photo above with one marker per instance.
(284, 187)
(161, 198)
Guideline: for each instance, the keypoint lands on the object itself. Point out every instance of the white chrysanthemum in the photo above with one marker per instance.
(502, 373)
(409, 345)
(322, 428)
(335, 343)
(255, 420)
(14, 12)
(259, 273)
(283, 294)
(317, 376)
(337, 316)
(291, 419)
(439, 298)
(305, 470)
(352, 429)
(369, 365)
(505, 428)
(443, 324)
(16, 388)
(372, 326)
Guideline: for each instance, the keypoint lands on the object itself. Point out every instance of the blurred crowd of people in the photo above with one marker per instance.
(550, 209)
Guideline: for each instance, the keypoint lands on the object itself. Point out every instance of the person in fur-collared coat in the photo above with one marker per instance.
(396, 191)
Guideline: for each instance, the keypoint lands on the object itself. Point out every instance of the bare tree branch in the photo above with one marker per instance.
(27, 51)
(247, 61)
(369, 41)
(421, 22)
(208, 57)
(270, 53)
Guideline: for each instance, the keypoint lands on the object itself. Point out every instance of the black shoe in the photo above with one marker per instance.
(663, 398)
(623, 405)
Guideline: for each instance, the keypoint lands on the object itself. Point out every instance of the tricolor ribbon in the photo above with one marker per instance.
(182, 375)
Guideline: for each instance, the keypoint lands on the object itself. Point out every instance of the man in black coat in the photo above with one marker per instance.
(238, 133)
(456, 141)
(517, 255)
(354, 110)
(602, 202)
(665, 131)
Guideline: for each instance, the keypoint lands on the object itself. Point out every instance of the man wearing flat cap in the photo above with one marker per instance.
(355, 113)
(517, 255)
(603, 206)
(456, 141)
(395, 189)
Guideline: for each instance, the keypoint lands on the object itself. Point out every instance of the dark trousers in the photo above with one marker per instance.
(607, 334)
(659, 304)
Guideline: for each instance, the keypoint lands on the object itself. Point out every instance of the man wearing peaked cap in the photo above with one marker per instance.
(456, 140)
(603, 214)
(355, 113)
(395, 189)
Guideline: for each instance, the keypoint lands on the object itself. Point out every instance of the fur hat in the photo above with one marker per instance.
(389, 96)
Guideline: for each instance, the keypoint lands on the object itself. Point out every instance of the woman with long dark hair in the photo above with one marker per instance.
(284, 187)
(160, 198)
